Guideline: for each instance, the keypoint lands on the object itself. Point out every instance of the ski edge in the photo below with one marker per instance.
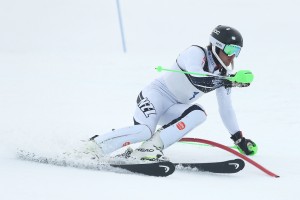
(158, 169)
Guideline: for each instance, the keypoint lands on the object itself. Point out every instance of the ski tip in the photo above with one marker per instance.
(236, 164)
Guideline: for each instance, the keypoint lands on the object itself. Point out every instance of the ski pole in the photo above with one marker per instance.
(242, 76)
(160, 69)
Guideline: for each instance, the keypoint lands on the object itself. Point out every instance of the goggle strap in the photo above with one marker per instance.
(216, 42)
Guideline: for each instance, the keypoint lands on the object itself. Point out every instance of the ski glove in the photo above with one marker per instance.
(244, 145)
(230, 84)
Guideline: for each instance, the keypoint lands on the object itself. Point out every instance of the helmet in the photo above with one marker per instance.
(227, 39)
(227, 35)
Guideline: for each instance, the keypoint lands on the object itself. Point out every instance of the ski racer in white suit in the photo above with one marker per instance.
(168, 100)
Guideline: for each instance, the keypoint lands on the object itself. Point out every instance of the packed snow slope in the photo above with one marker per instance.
(64, 77)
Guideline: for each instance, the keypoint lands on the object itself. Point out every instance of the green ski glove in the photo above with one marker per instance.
(245, 146)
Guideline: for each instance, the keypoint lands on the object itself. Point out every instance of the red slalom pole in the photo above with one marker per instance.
(198, 140)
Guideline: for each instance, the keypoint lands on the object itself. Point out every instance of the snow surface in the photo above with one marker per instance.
(64, 77)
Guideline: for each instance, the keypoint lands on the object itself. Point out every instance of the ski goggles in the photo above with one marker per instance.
(231, 49)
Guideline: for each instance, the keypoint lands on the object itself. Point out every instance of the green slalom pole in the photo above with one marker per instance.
(242, 76)
(251, 148)
(160, 69)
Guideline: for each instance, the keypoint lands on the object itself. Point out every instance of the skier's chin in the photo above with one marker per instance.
(227, 63)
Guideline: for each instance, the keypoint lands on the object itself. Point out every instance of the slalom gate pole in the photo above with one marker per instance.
(221, 146)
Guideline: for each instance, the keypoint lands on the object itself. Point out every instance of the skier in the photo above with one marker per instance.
(168, 101)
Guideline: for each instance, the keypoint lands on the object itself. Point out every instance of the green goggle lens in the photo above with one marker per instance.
(231, 49)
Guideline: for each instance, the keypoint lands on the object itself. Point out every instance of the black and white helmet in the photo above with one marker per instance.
(227, 39)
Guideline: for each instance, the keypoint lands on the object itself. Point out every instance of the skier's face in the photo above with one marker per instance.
(226, 59)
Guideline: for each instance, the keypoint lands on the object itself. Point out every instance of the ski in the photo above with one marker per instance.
(151, 169)
(227, 167)
(159, 169)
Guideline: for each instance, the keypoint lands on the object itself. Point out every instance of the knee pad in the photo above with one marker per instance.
(196, 110)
